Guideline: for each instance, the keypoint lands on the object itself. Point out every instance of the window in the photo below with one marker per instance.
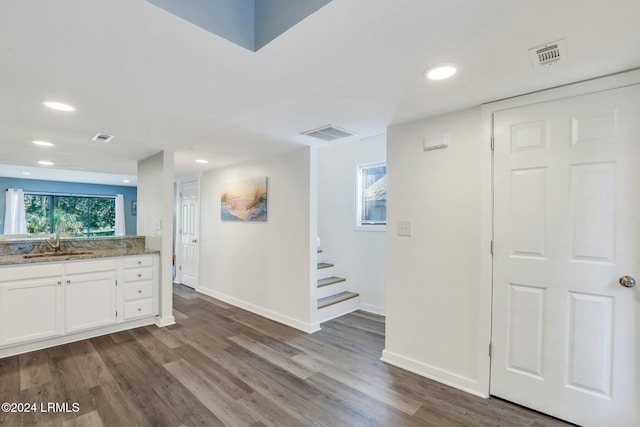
(372, 195)
(76, 215)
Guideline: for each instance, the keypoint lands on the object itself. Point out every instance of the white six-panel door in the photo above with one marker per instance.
(565, 332)
(189, 233)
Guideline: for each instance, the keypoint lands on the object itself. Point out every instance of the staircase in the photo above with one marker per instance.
(334, 300)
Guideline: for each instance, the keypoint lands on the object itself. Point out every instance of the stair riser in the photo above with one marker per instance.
(323, 273)
(337, 310)
(328, 290)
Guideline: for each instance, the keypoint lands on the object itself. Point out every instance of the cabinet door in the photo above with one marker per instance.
(31, 310)
(90, 300)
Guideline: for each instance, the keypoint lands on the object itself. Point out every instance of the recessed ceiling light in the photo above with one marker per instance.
(440, 72)
(45, 163)
(58, 106)
(43, 143)
(126, 181)
(26, 173)
(202, 161)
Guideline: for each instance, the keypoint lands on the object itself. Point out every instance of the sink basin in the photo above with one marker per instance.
(55, 254)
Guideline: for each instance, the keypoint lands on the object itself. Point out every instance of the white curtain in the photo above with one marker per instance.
(15, 221)
(120, 226)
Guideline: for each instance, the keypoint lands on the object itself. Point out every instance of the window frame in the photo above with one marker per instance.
(52, 196)
(361, 225)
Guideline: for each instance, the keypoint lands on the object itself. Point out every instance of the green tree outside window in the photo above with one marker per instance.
(74, 215)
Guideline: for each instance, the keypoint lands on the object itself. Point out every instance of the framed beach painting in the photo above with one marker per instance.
(244, 200)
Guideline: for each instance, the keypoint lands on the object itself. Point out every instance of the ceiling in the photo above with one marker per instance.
(157, 82)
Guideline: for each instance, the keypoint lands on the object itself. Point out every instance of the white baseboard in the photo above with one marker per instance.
(73, 337)
(161, 322)
(261, 311)
(433, 373)
(374, 309)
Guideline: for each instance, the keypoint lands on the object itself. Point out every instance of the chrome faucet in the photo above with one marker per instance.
(56, 238)
(61, 226)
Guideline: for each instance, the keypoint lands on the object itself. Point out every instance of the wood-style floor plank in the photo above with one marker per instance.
(206, 391)
(272, 356)
(165, 336)
(386, 395)
(68, 379)
(89, 364)
(90, 419)
(223, 366)
(34, 370)
(115, 408)
(211, 369)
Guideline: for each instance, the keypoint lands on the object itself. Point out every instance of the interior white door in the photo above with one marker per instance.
(189, 229)
(566, 228)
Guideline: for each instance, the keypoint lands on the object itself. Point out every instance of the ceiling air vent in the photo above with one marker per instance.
(548, 54)
(102, 137)
(329, 133)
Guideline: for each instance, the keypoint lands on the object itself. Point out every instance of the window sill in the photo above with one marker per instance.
(370, 228)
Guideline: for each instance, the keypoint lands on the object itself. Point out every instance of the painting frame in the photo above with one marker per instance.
(245, 200)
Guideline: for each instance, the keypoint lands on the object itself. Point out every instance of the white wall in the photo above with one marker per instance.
(263, 267)
(155, 221)
(434, 287)
(359, 256)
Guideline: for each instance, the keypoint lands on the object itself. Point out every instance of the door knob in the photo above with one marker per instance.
(627, 281)
(194, 241)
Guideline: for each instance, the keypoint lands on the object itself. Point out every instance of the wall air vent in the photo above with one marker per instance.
(329, 133)
(548, 54)
(102, 137)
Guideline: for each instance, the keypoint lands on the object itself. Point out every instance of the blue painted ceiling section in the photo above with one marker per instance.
(274, 17)
(232, 19)
(251, 24)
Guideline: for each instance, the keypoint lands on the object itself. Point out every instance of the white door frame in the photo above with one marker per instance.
(178, 230)
(486, 280)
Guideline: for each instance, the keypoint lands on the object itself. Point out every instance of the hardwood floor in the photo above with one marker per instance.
(220, 365)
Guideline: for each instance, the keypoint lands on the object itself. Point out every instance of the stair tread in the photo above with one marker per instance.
(324, 265)
(334, 299)
(330, 281)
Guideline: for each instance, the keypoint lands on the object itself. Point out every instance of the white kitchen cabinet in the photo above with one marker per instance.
(31, 303)
(143, 307)
(138, 287)
(90, 300)
(31, 310)
(90, 294)
(50, 303)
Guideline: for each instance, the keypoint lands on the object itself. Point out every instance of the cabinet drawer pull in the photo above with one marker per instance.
(139, 262)
(68, 282)
(139, 309)
(139, 291)
(139, 275)
(59, 282)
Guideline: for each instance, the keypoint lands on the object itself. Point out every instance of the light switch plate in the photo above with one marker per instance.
(404, 228)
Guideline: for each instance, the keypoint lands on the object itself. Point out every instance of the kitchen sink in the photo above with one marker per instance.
(55, 254)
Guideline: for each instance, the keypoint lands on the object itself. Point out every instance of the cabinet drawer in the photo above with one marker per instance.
(138, 290)
(143, 307)
(90, 266)
(138, 261)
(8, 274)
(137, 274)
